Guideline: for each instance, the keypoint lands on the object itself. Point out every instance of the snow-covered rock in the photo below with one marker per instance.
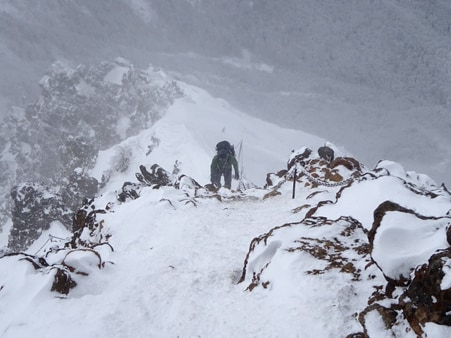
(80, 110)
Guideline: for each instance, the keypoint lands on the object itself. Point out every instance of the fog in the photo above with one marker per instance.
(371, 76)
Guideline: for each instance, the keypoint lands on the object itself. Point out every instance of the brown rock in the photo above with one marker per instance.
(424, 300)
(347, 162)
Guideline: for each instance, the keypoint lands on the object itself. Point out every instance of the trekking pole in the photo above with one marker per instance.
(240, 163)
(294, 183)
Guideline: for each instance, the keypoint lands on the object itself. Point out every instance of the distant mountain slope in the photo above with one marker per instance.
(380, 69)
(399, 47)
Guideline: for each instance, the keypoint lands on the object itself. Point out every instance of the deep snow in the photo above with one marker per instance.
(178, 257)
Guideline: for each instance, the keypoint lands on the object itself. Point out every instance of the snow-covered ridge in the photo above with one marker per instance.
(188, 132)
(173, 258)
(151, 257)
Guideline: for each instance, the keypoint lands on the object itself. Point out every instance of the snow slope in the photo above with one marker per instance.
(189, 132)
(175, 256)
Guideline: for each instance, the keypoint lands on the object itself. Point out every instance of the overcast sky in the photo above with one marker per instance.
(374, 77)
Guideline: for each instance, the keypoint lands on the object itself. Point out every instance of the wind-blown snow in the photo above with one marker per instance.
(178, 257)
(373, 76)
(190, 130)
(402, 243)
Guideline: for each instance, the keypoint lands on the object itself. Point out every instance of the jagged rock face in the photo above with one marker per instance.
(79, 187)
(79, 112)
(85, 109)
(77, 152)
(390, 249)
(428, 297)
(35, 207)
(313, 170)
(157, 177)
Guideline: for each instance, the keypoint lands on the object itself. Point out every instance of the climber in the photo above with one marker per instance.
(222, 164)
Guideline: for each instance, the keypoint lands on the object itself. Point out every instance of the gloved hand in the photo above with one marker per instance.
(237, 176)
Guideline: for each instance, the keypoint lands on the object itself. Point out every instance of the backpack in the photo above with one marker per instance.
(224, 149)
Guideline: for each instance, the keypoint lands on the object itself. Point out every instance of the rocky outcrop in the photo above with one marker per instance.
(35, 207)
(403, 256)
(326, 153)
(333, 248)
(81, 110)
(428, 296)
(311, 171)
(156, 178)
